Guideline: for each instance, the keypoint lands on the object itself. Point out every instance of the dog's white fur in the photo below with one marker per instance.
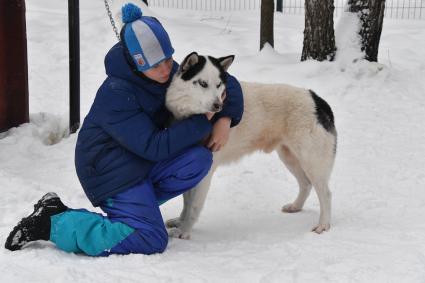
(187, 98)
(276, 117)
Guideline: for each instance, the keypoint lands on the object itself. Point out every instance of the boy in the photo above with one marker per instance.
(127, 161)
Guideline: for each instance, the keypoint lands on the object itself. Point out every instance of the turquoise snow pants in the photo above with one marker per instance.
(133, 223)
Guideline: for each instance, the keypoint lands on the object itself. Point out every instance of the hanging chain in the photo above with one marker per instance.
(111, 18)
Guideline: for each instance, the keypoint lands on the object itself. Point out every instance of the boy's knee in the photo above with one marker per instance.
(151, 242)
(160, 245)
(162, 242)
(201, 156)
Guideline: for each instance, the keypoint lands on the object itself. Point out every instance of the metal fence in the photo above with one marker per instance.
(405, 9)
(398, 9)
(208, 5)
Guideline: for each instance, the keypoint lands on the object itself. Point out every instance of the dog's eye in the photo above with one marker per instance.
(204, 84)
(219, 85)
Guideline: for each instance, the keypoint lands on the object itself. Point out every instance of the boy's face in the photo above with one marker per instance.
(160, 72)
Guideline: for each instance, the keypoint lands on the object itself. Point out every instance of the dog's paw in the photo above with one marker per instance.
(173, 223)
(291, 208)
(178, 233)
(321, 228)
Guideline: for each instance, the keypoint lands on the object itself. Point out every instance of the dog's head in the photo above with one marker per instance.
(198, 86)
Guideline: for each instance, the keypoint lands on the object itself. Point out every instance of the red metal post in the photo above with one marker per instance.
(14, 108)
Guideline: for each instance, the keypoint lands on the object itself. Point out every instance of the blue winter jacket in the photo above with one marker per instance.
(124, 134)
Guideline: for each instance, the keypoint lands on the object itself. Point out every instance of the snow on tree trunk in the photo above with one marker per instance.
(347, 39)
(371, 15)
(266, 25)
(319, 37)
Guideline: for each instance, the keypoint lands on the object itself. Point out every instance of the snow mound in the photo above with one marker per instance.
(47, 128)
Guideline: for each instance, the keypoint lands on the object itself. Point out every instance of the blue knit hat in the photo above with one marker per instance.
(145, 38)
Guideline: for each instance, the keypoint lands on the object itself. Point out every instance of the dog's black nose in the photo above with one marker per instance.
(217, 107)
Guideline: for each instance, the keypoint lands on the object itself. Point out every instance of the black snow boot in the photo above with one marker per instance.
(36, 226)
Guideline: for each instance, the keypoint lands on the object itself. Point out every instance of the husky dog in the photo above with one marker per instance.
(295, 122)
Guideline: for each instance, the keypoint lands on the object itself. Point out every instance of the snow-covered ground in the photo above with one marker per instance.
(378, 227)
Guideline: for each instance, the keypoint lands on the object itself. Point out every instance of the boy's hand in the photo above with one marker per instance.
(219, 135)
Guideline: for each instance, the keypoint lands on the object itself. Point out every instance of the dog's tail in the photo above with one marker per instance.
(324, 115)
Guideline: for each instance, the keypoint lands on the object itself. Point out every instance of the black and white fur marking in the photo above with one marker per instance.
(203, 75)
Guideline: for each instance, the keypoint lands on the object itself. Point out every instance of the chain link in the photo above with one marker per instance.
(111, 18)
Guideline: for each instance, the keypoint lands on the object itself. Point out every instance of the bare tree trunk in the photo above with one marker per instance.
(319, 36)
(371, 15)
(266, 26)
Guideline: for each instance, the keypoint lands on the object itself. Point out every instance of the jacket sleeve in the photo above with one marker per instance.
(124, 121)
(233, 105)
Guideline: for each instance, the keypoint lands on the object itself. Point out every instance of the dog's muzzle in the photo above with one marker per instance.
(218, 105)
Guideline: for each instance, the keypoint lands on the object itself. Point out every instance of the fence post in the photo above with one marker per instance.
(74, 65)
(279, 6)
(13, 65)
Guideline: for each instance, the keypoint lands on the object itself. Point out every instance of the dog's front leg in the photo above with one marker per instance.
(181, 227)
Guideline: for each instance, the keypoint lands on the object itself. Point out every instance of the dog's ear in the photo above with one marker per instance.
(226, 61)
(188, 62)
